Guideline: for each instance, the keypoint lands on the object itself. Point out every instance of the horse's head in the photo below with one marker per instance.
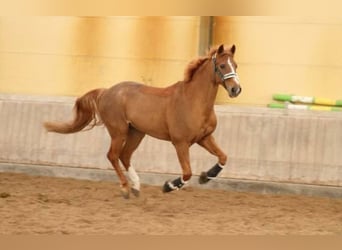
(225, 68)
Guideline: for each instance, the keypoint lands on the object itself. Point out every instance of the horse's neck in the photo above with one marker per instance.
(201, 90)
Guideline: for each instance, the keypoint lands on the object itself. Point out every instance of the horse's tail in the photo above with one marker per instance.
(86, 114)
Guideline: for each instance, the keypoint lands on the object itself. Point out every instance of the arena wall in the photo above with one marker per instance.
(288, 146)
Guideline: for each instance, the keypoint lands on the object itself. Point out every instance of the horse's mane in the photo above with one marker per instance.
(196, 63)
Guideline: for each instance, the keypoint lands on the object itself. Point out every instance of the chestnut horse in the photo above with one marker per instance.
(182, 113)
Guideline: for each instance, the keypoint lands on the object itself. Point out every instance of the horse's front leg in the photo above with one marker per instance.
(184, 160)
(209, 144)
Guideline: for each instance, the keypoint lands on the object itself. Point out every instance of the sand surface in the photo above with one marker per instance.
(47, 205)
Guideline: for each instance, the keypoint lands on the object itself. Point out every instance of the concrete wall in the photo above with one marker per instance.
(269, 145)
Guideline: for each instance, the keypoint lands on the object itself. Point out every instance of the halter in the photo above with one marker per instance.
(223, 77)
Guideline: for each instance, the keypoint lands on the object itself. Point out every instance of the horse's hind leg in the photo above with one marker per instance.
(113, 156)
(134, 137)
(210, 145)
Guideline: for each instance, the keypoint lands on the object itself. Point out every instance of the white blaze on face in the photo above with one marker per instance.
(230, 64)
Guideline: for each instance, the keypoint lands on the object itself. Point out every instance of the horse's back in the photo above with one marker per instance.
(120, 92)
(124, 86)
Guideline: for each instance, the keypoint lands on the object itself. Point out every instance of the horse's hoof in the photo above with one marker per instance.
(203, 178)
(125, 193)
(167, 188)
(136, 192)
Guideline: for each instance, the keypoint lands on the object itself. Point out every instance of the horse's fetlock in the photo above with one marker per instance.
(187, 176)
(223, 159)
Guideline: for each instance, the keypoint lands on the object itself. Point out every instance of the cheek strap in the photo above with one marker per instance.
(223, 77)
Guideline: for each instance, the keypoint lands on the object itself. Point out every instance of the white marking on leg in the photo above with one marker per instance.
(183, 181)
(173, 187)
(222, 166)
(133, 176)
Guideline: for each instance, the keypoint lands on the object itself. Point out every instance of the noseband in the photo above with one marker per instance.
(223, 77)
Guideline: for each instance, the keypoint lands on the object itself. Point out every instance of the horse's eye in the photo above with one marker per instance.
(222, 66)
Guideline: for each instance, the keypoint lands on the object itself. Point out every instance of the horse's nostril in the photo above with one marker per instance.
(236, 91)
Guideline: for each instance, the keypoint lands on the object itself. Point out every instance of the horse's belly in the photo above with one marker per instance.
(151, 123)
(156, 131)
(158, 135)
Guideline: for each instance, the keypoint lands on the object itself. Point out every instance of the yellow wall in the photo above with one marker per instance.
(70, 55)
(295, 55)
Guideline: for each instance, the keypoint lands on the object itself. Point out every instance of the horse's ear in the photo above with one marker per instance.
(232, 49)
(220, 49)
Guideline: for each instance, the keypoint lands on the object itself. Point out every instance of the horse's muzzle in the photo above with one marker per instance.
(234, 91)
